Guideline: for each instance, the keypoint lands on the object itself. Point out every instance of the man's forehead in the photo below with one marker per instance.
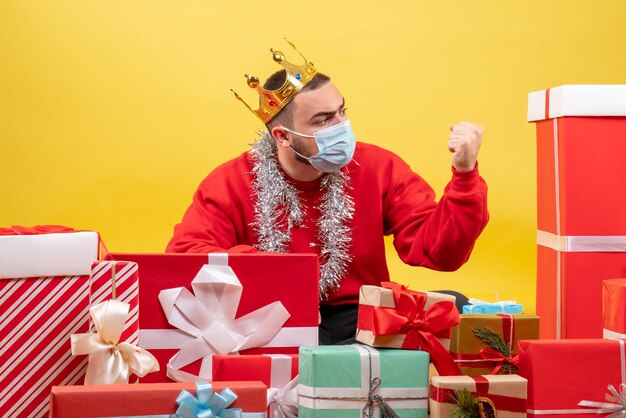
(325, 98)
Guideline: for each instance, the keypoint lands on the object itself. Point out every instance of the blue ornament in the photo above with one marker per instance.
(299, 76)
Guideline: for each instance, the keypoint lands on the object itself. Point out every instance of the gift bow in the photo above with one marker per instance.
(410, 317)
(616, 405)
(209, 316)
(283, 403)
(489, 354)
(207, 404)
(111, 361)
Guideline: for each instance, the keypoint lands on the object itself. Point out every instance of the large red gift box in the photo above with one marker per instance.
(614, 308)
(581, 180)
(39, 314)
(149, 399)
(562, 373)
(291, 279)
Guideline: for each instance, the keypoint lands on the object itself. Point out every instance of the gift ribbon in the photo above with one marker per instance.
(501, 402)
(36, 230)
(611, 335)
(282, 395)
(283, 403)
(616, 405)
(487, 356)
(500, 305)
(615, 408)
(209, 318)
(419, 325)
(360, 397)
(207, 404)
(111, 361)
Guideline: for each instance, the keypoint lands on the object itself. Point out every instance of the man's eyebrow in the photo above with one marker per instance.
(328, 112)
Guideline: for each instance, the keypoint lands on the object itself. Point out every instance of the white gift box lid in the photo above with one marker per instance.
(577, 100)
(39, 255)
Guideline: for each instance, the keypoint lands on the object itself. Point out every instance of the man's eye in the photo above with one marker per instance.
(343, 111)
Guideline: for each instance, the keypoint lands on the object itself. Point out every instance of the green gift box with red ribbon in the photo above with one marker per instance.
(473, 353)
(393, 316)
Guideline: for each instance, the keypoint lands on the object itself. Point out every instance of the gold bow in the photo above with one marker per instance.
(111, 361)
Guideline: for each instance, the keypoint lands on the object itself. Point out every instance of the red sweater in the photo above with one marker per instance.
(389, 198)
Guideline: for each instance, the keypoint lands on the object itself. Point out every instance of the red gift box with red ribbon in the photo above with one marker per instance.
(475, 356)
(506, 394)
(194, 306)
(396, 317)
(581, 233)
(572, 376)
(39, 314)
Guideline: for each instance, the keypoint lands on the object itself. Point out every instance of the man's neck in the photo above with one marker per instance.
(296, 169)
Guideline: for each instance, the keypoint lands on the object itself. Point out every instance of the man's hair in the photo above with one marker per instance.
(285, 116)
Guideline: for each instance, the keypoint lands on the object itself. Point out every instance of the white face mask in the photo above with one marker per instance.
(336, 146)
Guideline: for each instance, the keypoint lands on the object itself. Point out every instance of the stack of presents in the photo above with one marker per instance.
(88, 333)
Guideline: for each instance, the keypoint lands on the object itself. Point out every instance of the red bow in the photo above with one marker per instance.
(498, 358)
(34, 230)
(419, 325)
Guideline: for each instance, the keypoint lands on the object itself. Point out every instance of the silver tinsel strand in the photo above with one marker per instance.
(278, 209)
(334, 233)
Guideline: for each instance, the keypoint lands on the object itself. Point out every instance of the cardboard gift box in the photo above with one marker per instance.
(563, 373)
(614, 308)
(255, 284)
(277, 371)
(335, 381)
(504, 393)
(39, 314)
(580, 173)
(475, 357)
(148, 399)
(396, 317)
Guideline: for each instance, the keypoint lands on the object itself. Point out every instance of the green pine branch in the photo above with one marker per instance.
(466, 406)
(493, 340)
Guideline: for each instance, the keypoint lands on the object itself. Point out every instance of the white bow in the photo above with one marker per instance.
(283, 403)
(111, 361)
(209, 316)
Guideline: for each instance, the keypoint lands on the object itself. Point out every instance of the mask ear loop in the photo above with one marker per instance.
(297, 133)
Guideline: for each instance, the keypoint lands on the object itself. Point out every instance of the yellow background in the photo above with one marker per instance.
(113, 111)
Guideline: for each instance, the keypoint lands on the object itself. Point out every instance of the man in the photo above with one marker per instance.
(308, 186)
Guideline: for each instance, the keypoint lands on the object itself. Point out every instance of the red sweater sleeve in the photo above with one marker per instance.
(213, 221)
(440, 235)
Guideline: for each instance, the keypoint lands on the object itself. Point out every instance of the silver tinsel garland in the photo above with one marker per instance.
(278, 209)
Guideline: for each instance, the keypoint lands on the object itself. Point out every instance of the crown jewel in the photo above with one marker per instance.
(272, 101)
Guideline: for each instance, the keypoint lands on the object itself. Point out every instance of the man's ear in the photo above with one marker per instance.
(280, 135)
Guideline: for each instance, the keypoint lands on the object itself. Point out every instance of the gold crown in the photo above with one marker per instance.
(272, 101)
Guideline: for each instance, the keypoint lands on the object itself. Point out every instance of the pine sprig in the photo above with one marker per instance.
(466, 406)
(493, 340)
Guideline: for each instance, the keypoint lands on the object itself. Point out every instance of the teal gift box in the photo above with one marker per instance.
(479, 307)
(350, 381)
